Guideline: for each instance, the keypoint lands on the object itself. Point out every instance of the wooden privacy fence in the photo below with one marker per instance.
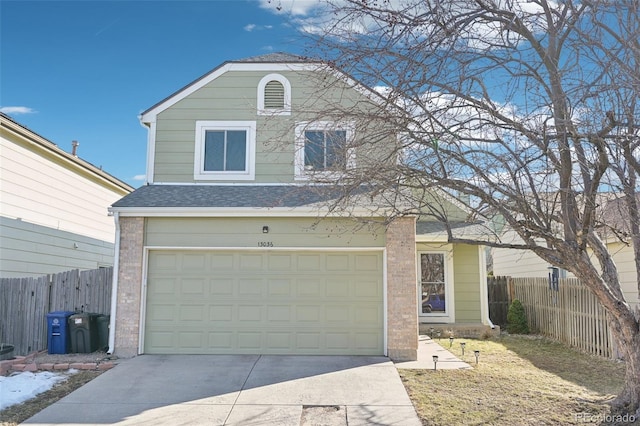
(24, 303)
(499, 300)
(571, 314)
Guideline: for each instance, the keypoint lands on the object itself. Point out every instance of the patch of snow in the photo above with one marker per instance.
(20, 387)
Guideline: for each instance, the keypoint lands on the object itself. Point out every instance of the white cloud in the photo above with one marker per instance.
(17, 110)
(252, 27)
(139, 177)
(328, 18)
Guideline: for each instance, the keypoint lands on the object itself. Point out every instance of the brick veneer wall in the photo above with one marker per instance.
(129, 286)
(402, 305)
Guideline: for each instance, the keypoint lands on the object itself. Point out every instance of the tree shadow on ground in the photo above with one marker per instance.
(598, 374)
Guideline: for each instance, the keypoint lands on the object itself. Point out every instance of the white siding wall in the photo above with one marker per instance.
(518, 263)
(38, 190)
(623, 256)
(522, 263)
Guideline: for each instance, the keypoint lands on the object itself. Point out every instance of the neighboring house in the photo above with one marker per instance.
(54, 207)
(525, 263)
(229, 248)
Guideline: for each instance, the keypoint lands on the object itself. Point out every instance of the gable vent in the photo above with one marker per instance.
(274, 95)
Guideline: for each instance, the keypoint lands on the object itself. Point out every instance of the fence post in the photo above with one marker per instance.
(511, 290)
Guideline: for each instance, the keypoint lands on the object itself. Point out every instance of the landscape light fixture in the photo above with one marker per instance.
(439, 334)
(435, 362)
(432, 330)
(462, 345)
(477, 354)
(450, 341)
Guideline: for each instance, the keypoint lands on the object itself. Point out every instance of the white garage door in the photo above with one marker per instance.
(271, 302)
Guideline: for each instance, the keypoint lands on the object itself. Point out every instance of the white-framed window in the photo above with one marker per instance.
(225, 150)
(274, 95)
(323, 149)
(435, 285)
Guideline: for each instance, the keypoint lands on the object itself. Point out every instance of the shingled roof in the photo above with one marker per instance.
(276, 58)
(229, 196)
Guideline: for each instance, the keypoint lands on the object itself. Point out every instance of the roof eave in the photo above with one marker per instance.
(305, 211)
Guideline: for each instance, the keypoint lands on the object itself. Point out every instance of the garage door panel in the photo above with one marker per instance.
(219, 286)
(249, 340)
(280, 262)
(251, 261)
(308, 262)
(264, 302)
(164, 261)
(223, 262)
(337, 287)
(308, 313)
(192, 313)
(366, 262)
(194, 287)
(250, 313)
(221, 340)
(367, 289)
(194, 262)
(221, 313)
(279, 287)
(338, 262)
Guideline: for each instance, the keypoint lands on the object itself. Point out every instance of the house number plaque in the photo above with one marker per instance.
(265, 243)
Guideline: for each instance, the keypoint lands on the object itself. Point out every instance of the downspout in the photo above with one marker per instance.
(114, 286)
(484, 293)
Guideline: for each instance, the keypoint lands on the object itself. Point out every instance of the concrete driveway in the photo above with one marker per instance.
(239, 390)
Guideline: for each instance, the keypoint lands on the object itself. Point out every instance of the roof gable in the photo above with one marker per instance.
(272, 62)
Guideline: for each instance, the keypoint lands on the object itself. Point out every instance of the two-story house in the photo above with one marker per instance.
(230, 248)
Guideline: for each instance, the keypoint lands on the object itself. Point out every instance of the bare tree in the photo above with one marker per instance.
(527, 112)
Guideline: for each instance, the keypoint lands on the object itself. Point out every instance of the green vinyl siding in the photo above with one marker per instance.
(233, 97)
(467, 283)
(247, 232)
(30, 250)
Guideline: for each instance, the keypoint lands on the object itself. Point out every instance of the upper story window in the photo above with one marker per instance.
(225, 150)
(322, 149)
(274, 95)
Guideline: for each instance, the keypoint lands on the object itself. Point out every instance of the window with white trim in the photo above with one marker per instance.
(225, 150)
(274, 95)
(435, 287)
(323, 149)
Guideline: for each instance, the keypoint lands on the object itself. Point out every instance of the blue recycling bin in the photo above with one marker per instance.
(58, 332)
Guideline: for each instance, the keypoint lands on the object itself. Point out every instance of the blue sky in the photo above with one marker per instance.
(84, 70)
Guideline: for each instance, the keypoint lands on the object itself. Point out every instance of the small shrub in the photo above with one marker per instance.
(517, 319)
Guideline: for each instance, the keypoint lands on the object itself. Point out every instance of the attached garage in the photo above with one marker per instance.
(267, 301)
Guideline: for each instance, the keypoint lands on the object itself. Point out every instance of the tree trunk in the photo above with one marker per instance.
(628, 400)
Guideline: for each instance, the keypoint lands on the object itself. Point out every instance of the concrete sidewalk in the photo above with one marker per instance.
(239, 390)
(428, 347)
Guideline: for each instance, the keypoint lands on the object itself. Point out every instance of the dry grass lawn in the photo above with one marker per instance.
(520, 380)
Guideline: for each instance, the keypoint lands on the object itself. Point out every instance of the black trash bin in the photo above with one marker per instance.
(58, 332)
(83, 332)
(103, 332)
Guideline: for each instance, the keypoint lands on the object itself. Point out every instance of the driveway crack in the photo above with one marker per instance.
(241, 389)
